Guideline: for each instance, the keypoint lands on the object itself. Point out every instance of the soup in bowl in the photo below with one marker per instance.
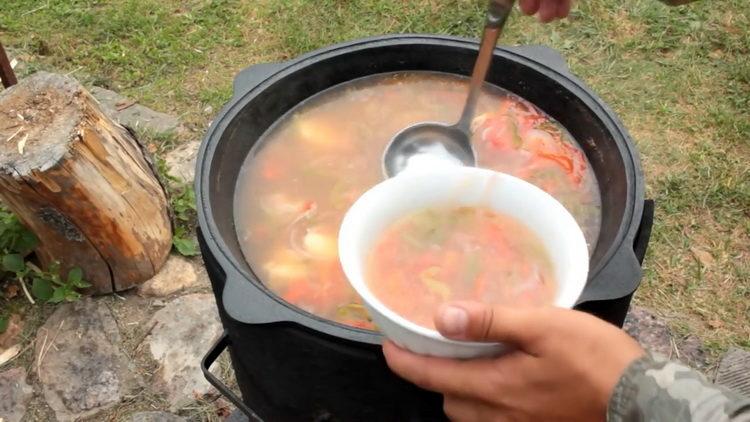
(534, 251)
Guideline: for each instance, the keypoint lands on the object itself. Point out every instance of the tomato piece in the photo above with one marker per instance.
(308, 206)
(298, 291)
(272, 170)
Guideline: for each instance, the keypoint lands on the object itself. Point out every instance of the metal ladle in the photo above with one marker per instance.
(455, 140)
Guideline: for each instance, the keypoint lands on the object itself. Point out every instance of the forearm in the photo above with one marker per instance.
(650, 390)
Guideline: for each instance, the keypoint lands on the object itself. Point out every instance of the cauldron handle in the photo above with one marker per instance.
(216, 350)
(252, 76)
(545, 55)
(621, 275)
(642, 237)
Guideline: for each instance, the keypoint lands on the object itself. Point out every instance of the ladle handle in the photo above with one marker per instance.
(497, 14)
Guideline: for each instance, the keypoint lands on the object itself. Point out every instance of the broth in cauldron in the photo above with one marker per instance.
(308, 169)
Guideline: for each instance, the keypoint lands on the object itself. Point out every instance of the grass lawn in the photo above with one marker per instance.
(679, 78)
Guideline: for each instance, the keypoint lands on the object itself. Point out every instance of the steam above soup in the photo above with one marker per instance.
(308, 169)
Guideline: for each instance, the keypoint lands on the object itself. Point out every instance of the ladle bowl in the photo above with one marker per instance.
(454, 140)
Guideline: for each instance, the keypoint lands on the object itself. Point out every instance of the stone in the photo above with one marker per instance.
(203, 280)
(79, 363)
(237, 416)
(181, 161)
(156, 417)
(14, 394)
(10, 336)
(177, 274)
(223, 408)
(691, 351)
(182, 333)
(734, 371)
(653, 334)
(129, 113)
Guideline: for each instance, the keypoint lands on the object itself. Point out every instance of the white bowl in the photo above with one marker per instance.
(420, 187)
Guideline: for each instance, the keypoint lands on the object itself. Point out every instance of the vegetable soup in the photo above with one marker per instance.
(306, 171)
(467, 253)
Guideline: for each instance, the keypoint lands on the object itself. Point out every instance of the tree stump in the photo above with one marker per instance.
(81, 183)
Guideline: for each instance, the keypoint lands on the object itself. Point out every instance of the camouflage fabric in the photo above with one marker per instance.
(660, 390)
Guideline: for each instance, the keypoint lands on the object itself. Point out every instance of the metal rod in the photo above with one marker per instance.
(497, 14)
(7, 74)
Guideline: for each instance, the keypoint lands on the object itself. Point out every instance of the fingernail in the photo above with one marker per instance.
(455, 320)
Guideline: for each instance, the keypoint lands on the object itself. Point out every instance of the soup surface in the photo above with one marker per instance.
(438, 255)
(306, 171)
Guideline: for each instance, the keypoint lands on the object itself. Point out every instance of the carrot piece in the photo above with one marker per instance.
(565, 162)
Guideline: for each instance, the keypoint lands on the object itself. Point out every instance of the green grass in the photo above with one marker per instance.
(679, 78)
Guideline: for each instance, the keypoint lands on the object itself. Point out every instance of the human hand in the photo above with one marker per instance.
(565, 368)
(546, 10)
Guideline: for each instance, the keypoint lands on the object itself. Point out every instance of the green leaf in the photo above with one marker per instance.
(13, 262)
(186, 247)
(26, 242)
(75, 275)
(81, 284)
(59, 295)
(71, 295)
(54, 267)
(42, 289)
(4, 319)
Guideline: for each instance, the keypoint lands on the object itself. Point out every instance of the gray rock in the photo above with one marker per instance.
(691, 351)
(181, 161)
(734, 371)
(133, 115)
(183, 331)
(14, 394)
(155, 417)
(237, 416)
(653, 334)
(177, 274)
(82, 370)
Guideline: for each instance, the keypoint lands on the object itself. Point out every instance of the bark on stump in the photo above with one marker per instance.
(81, 183)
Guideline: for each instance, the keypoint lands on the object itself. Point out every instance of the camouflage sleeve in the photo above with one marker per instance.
(652, 390)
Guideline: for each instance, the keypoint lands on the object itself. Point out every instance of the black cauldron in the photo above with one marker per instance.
(294, 366)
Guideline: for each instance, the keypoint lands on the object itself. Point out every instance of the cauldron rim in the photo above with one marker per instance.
(289, 313)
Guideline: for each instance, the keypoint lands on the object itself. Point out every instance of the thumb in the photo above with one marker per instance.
(476, 321)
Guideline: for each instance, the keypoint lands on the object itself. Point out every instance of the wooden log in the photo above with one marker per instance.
(81, 183)
(7, 75)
